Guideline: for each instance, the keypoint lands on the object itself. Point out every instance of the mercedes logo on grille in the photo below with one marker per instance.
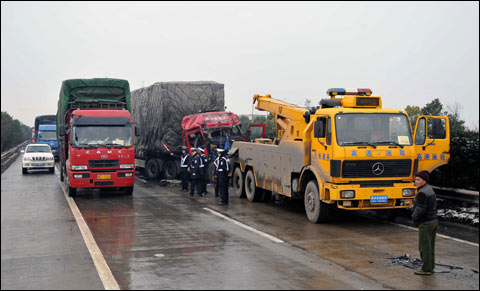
(377, 169)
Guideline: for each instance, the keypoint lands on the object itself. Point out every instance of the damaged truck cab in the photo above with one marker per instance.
(349, 154)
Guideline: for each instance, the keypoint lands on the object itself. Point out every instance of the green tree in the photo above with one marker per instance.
(13, 132)
(413, 112)
(433, 108)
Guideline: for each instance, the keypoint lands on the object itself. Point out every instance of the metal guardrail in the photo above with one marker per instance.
(7, 157)
(457, 194)
(13, 150)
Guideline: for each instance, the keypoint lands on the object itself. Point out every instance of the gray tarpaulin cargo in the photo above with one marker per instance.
(159, 109)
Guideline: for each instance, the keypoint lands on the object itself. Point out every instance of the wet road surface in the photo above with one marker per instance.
(176, 244)
(203, 251)
(160, 238)
(42, 247)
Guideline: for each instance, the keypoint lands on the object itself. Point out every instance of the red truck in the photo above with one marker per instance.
(95, 134)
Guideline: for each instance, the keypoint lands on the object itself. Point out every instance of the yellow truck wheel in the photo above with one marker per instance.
(316, 210)
(253, 193)
(237, 181)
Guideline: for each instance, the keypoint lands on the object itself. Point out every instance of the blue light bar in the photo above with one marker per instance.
(348, 91)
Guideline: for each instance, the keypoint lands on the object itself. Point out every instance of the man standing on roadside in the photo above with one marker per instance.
(425, 217)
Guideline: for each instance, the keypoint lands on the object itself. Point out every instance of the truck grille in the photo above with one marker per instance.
(103, 164)
(373, 168)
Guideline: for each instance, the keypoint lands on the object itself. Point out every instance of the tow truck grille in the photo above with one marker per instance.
(369, 169)
(103, 164)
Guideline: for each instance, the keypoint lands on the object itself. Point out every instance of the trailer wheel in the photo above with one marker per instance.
(237, 181)
(252, 192)
(169, 170)
(152, 169)
(316, 210)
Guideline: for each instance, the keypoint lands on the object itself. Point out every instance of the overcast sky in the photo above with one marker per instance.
(407, 52)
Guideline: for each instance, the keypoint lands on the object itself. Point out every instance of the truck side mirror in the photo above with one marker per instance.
(137, 131)
(61, 130)
(22, 152)
(319, 129)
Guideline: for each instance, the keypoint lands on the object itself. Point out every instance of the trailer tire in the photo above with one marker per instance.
(169, 170)
(237, 182)
(253, 193)
(316, 210)
(152, 169)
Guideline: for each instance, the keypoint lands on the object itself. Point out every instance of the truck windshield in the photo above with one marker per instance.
(47, 135)
(373, 129)
(94, 135)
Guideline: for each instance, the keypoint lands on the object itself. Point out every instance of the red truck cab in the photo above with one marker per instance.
(100, 150)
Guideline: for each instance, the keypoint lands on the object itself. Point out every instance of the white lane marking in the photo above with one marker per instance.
(266, 235)
(104, 272)
(440, 235)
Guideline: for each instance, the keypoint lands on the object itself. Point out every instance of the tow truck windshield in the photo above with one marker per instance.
(96, 136)
(373, 129)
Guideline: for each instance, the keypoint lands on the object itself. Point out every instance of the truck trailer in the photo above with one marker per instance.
(95, 134)
(172, 114)
(348, 153)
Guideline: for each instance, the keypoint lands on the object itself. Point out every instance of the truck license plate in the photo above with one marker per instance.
(379, 199)
(103, 177)
(39, 165)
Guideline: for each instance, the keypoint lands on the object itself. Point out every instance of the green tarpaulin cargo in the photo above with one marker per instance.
(92, 93)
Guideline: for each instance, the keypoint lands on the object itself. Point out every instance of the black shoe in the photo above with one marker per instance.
(222, 204)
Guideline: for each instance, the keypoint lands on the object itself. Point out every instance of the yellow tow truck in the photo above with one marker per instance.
(348, 153)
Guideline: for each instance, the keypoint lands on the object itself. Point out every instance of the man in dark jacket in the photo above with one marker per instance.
(222, 175)
(195, 170)
(425, 217)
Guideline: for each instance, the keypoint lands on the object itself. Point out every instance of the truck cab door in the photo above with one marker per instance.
(432, 142)
(322, 148)
(193, 138)
(256, 130)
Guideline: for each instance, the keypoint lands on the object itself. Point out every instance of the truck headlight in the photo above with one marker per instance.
(126, 166)
(408, 192)
(347, 194)
(50, 158)
(79, 168)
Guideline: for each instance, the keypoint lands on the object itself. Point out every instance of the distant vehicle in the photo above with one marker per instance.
(39, 120)
(38, 156)
(47, 134)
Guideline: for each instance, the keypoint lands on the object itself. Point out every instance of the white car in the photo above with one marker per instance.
(38, 156)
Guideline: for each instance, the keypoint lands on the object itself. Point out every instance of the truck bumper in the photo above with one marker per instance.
(87, 179)
(370, 198)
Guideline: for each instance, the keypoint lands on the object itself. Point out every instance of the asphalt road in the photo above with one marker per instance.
(160, 238)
